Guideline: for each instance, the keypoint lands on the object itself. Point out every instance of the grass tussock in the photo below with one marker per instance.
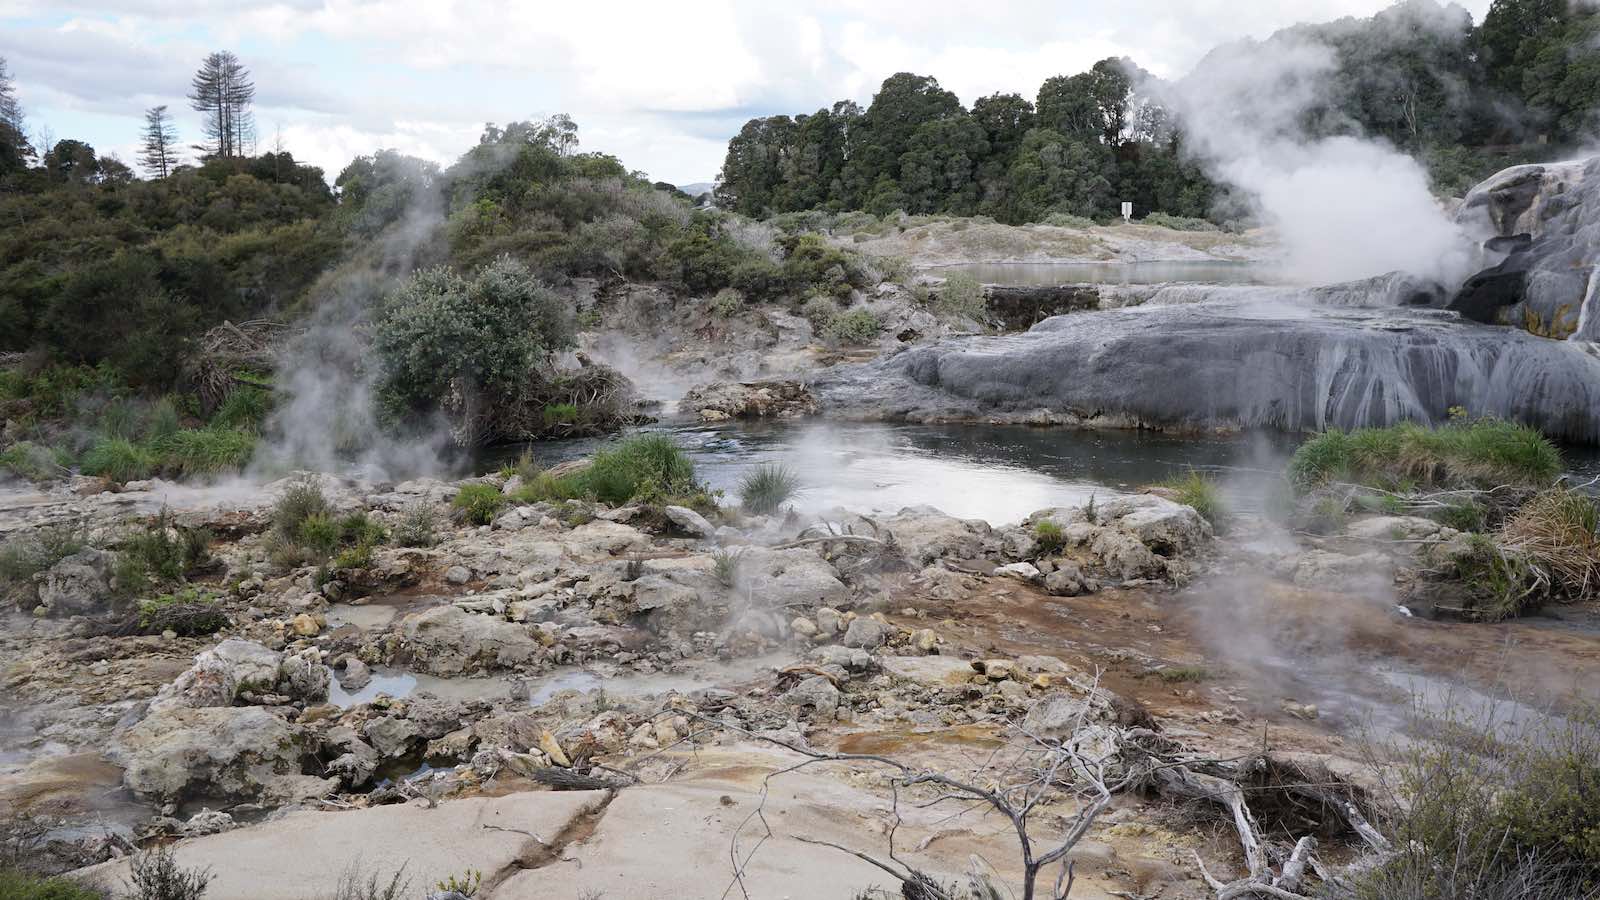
(16, 885)
(26, 555)
(479, 503)
(1200, 491)
(646, 467)
(1482, 453)
(1048, 538)
(765, 489)
(1556, 533)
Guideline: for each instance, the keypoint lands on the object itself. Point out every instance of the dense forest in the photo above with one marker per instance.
(1465, 99)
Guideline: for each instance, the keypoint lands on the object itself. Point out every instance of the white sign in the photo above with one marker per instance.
(1127, 212)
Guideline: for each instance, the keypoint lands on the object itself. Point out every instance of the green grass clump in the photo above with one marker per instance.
(160, 553)
(1178, 223)
(1200, 491)
(244, 409)
(479, 502)
(204, 451)
(646, 467)
(546, 488)
(1484, 453)
(26, 555)
(766, 489)
(557, 414)
(418, 526)
(118, 459)
(1183, 674)
(319, 533)
(1048, 538)
(20, 886)
(189, 613)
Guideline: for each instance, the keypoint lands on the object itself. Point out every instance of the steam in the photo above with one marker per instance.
(326, 419)
(1344, 207)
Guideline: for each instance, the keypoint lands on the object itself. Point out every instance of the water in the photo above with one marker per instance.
(1200, 271)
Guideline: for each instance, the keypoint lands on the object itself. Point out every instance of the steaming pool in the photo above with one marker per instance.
(998, 473)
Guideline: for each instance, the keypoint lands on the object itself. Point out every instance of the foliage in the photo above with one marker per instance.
(440, 334)
(33, 462)
(119, 459)
(16, 885)
(1178, 223)
(1556, 536)
(418, 526)
(820, 311)
(1483, 453)
(726, 303)
(857, 326)
(466, 884)
(961, 296)
(545, 487)
(1496, 806)
(1200, 491)
(244, 409)
(725, 566)
(646, 467)
(188, 613)
(204, 451)
(479, 502)
(25, 555)
(160, 553)
(303, 526)
(156, 875)
(355, 884)
(1048, 537)
(766, 488)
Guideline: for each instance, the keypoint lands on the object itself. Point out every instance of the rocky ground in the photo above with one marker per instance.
(580, 698)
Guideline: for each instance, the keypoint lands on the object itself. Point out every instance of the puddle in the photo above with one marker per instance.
(399, 684)
(698, 677)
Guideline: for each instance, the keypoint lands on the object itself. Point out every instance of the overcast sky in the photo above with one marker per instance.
(662, 85)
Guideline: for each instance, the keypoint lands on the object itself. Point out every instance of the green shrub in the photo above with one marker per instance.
(725, 566)
(160, 553)
(356, 557)
(820, 310)
(34, 462)
(118, 459)
(1484, 453)
(726, 303)
(189, 613)
(19, 886)
(156, 875)
(858, 326)
(1178, 223)
(479, 502)
(766, 489)
(204, 451)
(25, 555)
(1067, 220)
(302, 499)
(647, 467)
(418, 526)
(545, 487)
(358, 529)
(961, 295)
(318, 533)
(1048, 538)
(557, 414)
(162, 418)
(441, 333)
(1183, 674)
(1200, 491)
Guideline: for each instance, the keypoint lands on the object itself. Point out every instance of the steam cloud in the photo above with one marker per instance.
(1344, 207)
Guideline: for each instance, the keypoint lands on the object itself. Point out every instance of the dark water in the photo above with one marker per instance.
(997, 473)
(1200, 271)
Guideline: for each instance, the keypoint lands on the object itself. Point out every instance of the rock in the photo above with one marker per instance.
(457, 745)
(867, 633)
(552, 749)
(446, 641)
(234, 753)
(1068, 580)
(1056, 716)
(690, 521)
(829, 620)
(933, 671)
(391, 736)
(1021, 571)
(1165, 527)
(803, 626)
(816, 693)
(925, 639)
(1329, 571)
(355, 674)
(78, 585)
(1394, 528)
(926, 535)
(996, 669)
(208, 821)
(434, 717)
(303, 676)
(458, 575)
(306, 625)
(852, 659)
(354, 760)
(750, 400)
(220, 674)
(789, 578)
(1125, 556)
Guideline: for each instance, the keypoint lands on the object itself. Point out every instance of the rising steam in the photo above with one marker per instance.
(1344, 207)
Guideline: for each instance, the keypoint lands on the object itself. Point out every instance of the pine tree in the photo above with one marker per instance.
(223, 93)
(159, 154)
(10, 109)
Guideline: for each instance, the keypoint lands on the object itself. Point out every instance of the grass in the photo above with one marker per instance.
(1183, 674)
(188, 613)
(156, 875)
(1048, 538)
(119, 459)
(961, 296)
(160, 553)
(479, 503)
(1178, 223)
(546, 488)
(1200, 491)
(19, 886)
(725, 566)
(1555, 533)
(26, 555)
(1483, 453)
(765, 489)
(858, 326)
(244, 409)
(646, 467)
(34, 462)
(203, 451)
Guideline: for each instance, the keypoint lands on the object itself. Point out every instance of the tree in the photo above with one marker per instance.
(159, 154)
(10, 109)
(223, 92)
(72, 161)
(1066, 105)
(14, 148)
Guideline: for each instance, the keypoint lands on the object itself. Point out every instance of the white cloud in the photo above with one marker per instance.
(646, 81)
